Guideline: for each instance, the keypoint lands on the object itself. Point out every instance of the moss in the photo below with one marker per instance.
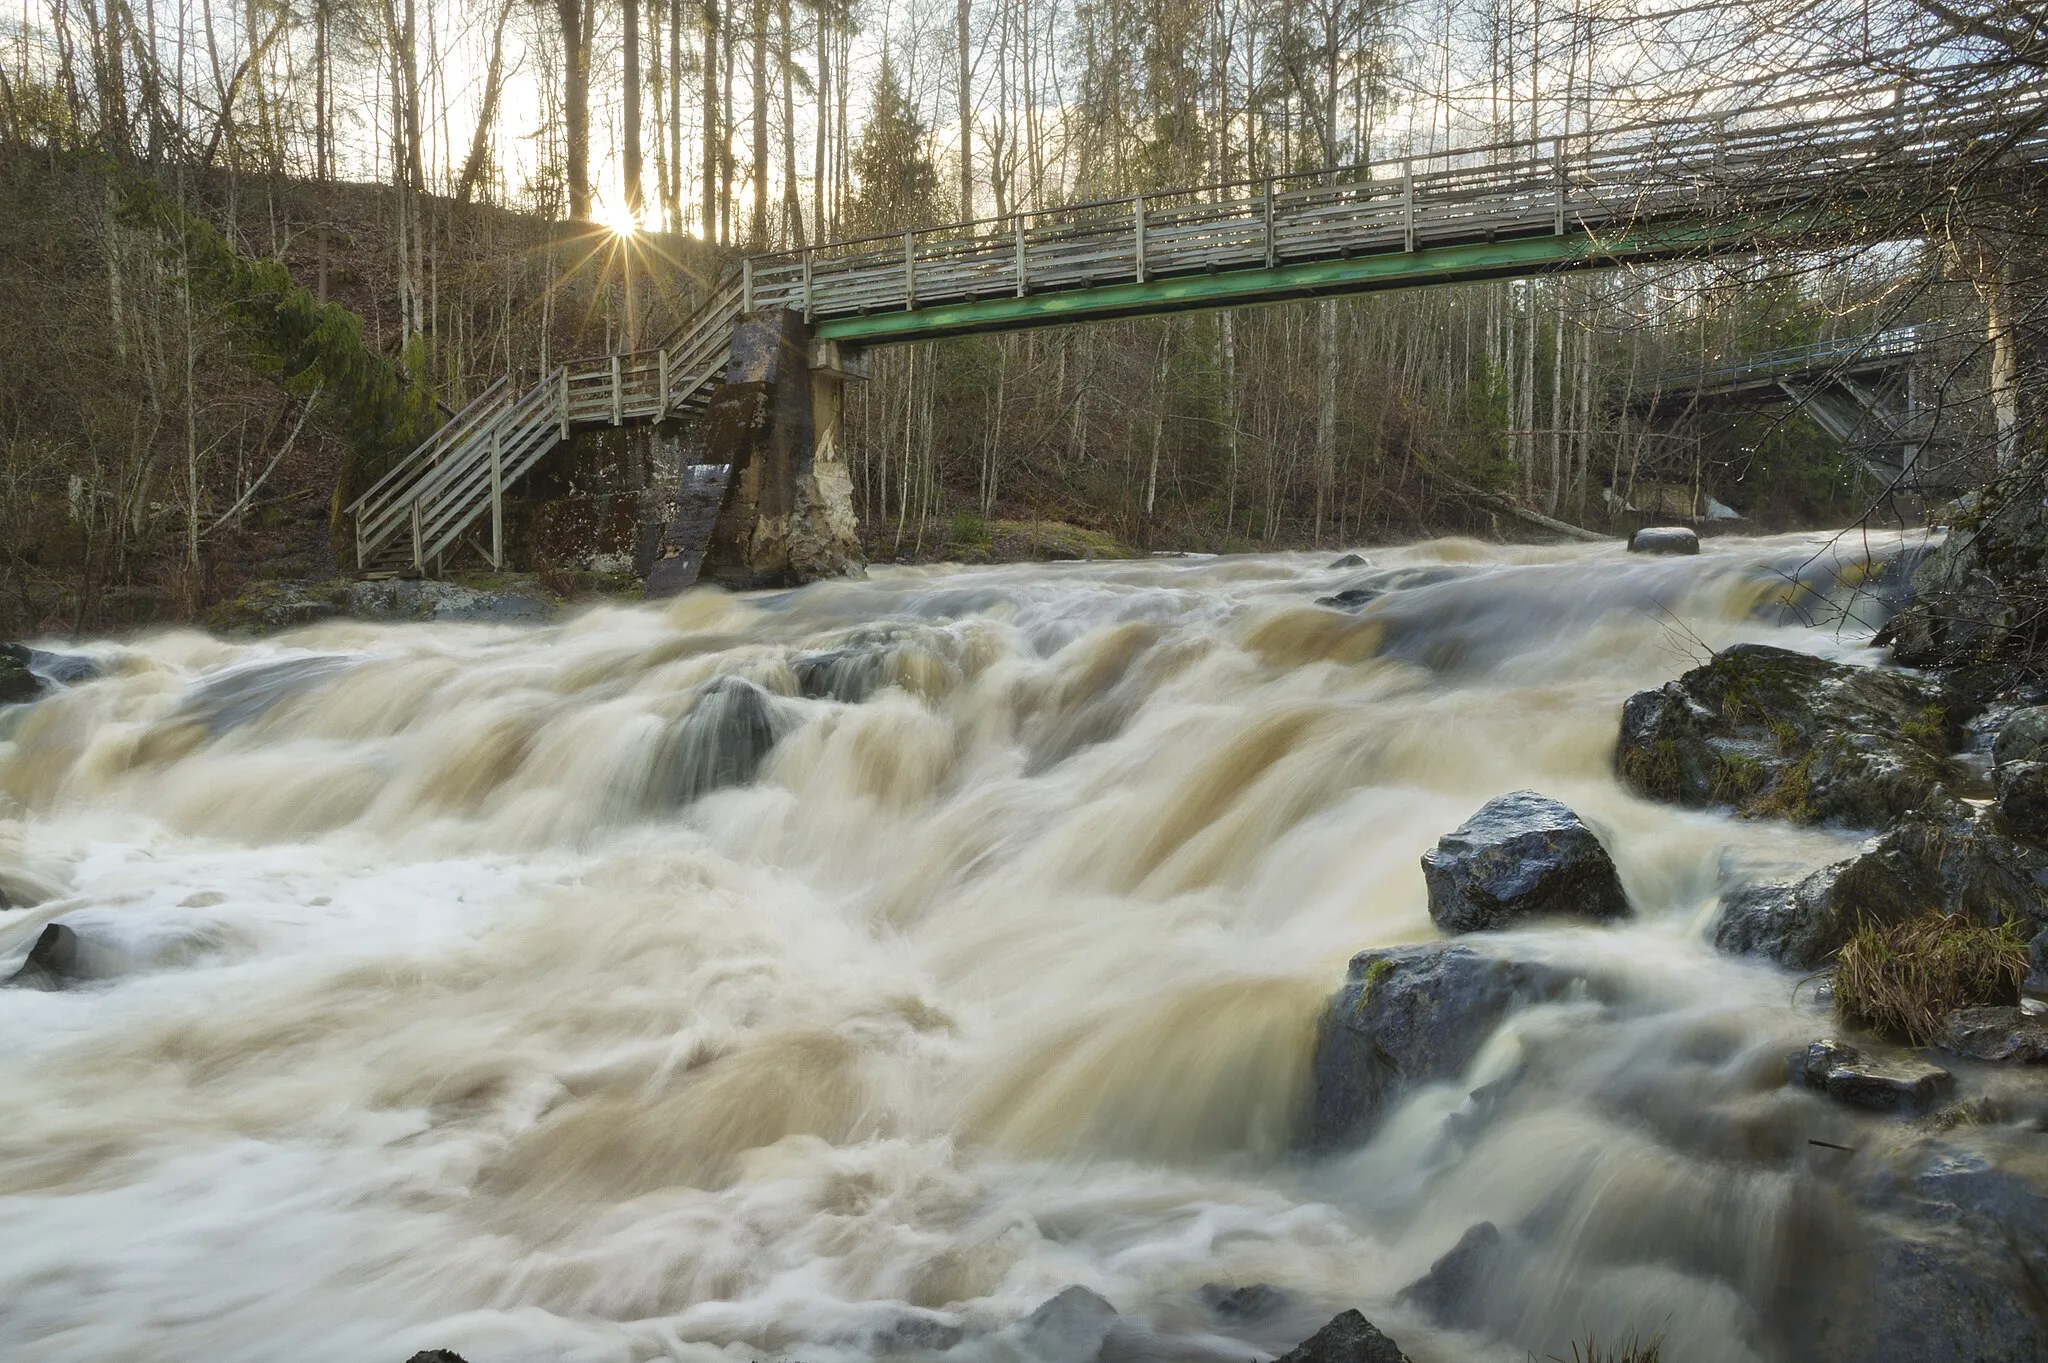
(1929, 729)
(1790, 796)
(1651, 770)
(1737, 778)
(1902, 981)
(1374, 973)
(1785, 735)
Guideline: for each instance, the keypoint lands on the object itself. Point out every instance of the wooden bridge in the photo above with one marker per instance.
(1861, 390)
(1641, 193)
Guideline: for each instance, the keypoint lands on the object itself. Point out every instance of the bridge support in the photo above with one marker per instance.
(787, 516)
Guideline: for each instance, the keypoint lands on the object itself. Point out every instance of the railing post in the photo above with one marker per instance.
(1138, 227)
(1557, 188)
(1023, 283)
(807, 283)
(1271, 257)
(563, 406)
(747, 284)
(497, 500)
(909, 271)
(618, 395)
(419, 557)
(661, 368)
(359, 542)
(1408, 205)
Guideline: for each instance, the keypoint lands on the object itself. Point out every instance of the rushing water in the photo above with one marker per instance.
(797, 975)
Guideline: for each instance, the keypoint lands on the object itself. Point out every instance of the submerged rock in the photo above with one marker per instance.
(57, 958)
(1350, 599)
(1774, 732)
(1348, 1338)
(1995, 1033)
(1071, 1327)
(1849, 1076)
(1523, 855)
(1943, 858)
(18, 685)
(1254, 1302)
(1352, 561)
(1455, 1281)
(721, 742)
(1408, 1016)
(1664, 539)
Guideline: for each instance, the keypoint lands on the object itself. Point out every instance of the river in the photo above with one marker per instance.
(530, 992)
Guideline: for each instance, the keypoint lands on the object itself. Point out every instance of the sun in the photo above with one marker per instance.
(617, 219)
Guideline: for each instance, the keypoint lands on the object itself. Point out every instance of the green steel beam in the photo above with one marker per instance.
(1325, 278)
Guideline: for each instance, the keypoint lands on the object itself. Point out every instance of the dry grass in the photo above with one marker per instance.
(1902, 981)
(1636, 1350)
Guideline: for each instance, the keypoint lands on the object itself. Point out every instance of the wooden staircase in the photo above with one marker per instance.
(419, 512)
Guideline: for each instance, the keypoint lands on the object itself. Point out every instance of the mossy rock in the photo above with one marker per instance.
(1777, 734)
(273, 606)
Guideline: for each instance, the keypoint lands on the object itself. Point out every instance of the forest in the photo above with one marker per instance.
(255, 251)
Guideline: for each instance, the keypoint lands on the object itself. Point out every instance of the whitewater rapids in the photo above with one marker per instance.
(819, 975)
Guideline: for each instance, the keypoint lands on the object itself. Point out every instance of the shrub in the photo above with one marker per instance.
(969, 528)
(1902, 981)
(1635, 1351)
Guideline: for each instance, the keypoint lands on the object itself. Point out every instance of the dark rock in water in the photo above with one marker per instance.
(18, 685)
(1959, 615)
(1954, 1247)
(1995, 1034)
(849, 674)
(1455, 1281)
(1408, 1016)
(1255, 1302)
(426, 599)
(1881, 1085)
(1352, 561)
(1348, 1338)
(54, 669)
(436, 1356)
(1345, 600)
(1070, 1327)
(53, 961)
(1523, 855)
(916, 1334)
(1943, 858)
(2022, 789)
(1664, 539)
(1774, 732)
(720, 742)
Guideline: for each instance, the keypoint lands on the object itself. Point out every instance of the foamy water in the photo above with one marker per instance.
(453, 994)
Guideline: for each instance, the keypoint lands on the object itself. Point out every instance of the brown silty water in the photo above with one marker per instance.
(839, 974)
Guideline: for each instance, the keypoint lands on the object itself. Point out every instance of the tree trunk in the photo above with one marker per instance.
(630, 159)
(711, 125)
(576, 104)
(758, 231)
(962, 14)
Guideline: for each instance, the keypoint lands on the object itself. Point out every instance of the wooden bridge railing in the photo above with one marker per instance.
(1706, 168)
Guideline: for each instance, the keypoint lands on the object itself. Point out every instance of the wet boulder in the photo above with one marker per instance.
(1664, 539)
(1350, 599)
(18, 685)
(1348, 1338)
(436, 1356)
(279, 604)
(1253, 1302)
(1878, 1084)
(1996, 1034)
(1352, 561)
(1070, 1327)
(59, 957)
(1523, 855)
(1777, 733)
(2019, 775)
(1944, 858)
(722, 741)
(1409, 1016)
(1455, 1281)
